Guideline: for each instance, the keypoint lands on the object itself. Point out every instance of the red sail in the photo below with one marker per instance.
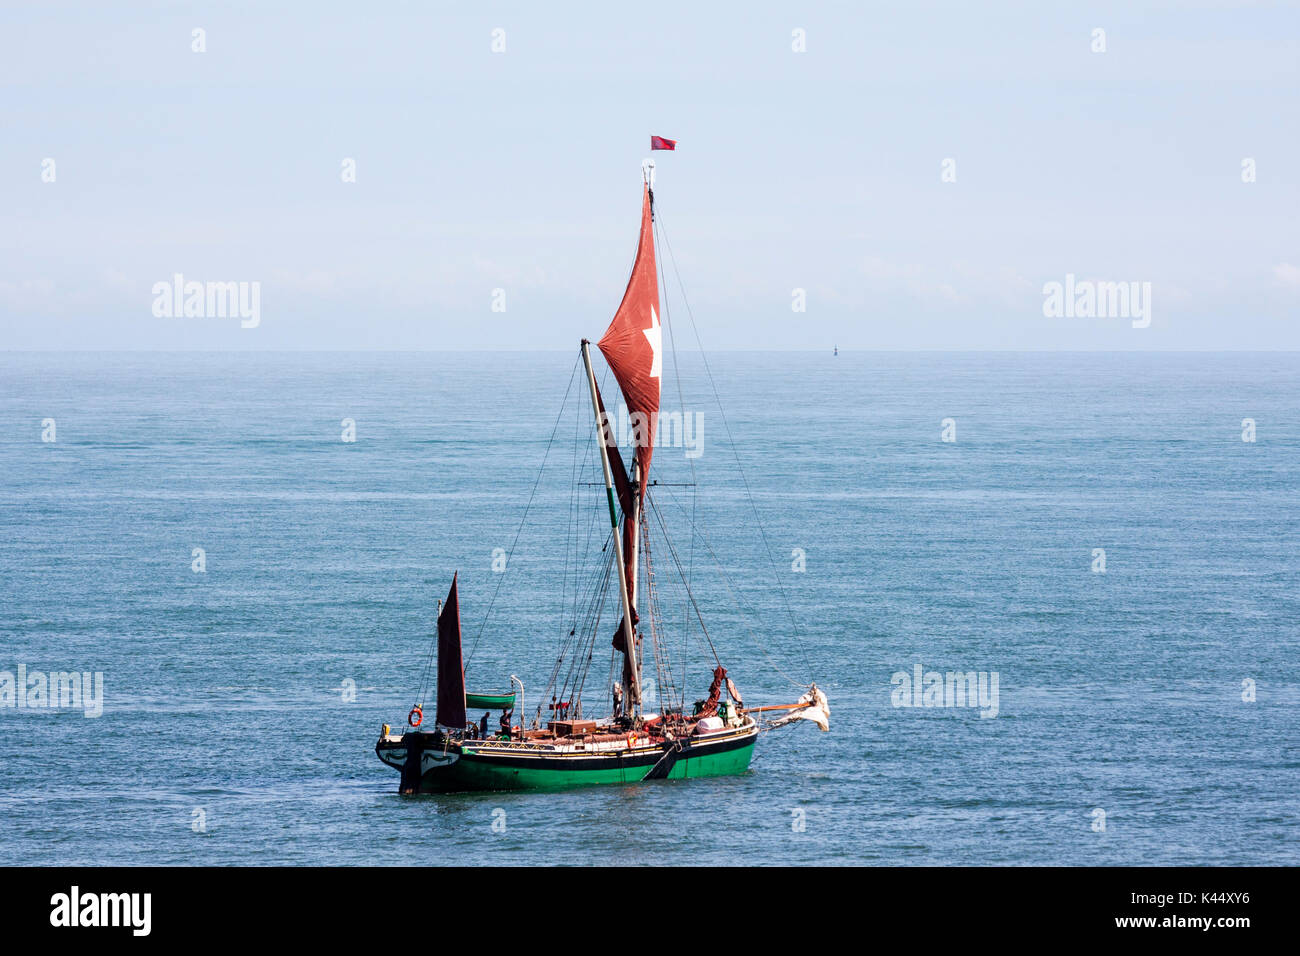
(633, 344)
(451, 671)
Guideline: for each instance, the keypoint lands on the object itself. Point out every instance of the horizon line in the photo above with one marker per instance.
(534, 351)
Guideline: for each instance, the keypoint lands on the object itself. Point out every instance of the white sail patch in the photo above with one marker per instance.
(655, 336)
(811, 706)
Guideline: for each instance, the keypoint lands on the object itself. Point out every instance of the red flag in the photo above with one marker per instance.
(658, 142)
(633, 343)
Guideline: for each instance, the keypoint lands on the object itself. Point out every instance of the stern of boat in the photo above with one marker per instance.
(420, 757)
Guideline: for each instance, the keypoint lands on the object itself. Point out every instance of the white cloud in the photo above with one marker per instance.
(1287, 274)
(26, 293)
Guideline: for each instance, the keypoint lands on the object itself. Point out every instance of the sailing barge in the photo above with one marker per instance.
(715, 738)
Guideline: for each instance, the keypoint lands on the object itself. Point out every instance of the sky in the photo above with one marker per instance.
(867, 176)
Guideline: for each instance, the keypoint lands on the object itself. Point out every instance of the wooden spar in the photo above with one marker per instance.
(758, 710)
(629, 639)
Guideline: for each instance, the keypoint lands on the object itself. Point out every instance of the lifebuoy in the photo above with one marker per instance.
(631, 741)
(416, 716)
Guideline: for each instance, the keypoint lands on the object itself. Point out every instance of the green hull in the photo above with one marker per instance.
(481, 766)
(471, 773)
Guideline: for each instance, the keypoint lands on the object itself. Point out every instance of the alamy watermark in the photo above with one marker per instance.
(670, 429)
(57, 690)
(208, 300)
(1090, 299)
(922, 688)
(129, 910)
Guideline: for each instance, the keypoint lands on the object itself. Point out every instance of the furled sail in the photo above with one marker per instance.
(626, 503)
(622, 487)
(451, 670)
(633, 344)
(813, 706)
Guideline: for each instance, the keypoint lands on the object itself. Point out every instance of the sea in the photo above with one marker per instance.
(245, 552)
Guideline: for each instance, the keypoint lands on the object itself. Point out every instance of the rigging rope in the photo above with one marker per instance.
(423, 689)
(681, 401)
(579, 637)
(736, 599)
(735, 452)
(673, 551)
(540, 471)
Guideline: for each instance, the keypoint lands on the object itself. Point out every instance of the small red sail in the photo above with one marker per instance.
(451, 670)
(633, 344)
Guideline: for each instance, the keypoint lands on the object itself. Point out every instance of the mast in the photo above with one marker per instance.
(633, 692)
(648, 177)
(633, 576)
